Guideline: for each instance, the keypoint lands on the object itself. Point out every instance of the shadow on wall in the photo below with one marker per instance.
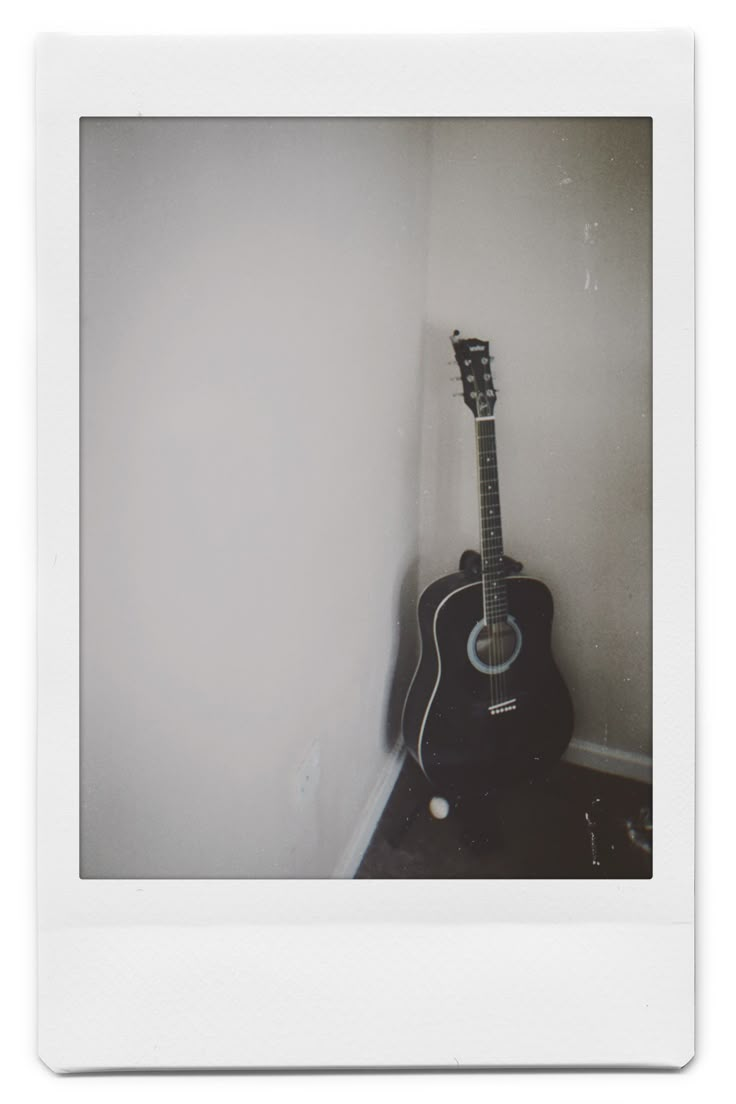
(446, 426)
(406, 654)
(452, 433)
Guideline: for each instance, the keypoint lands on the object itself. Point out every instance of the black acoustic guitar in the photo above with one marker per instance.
(487, 706)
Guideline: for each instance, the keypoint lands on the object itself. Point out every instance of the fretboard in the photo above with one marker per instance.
(491, 537)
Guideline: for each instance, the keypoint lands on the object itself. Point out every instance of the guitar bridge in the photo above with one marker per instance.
(502, 707)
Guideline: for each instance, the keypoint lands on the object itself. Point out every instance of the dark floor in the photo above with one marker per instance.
(575, 823)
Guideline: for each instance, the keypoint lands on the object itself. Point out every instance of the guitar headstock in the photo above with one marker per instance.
(474, 361)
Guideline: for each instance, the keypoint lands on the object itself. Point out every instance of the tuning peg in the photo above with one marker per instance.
(458, 378)
(457, 394)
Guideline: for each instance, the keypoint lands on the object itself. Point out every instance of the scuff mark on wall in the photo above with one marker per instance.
(592, 825)
(590, 238)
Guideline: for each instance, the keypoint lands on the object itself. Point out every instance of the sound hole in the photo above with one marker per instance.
(494, 649)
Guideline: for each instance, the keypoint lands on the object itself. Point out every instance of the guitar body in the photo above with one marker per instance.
(484, 712)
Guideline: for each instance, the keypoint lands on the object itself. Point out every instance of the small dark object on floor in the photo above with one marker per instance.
(575, 823)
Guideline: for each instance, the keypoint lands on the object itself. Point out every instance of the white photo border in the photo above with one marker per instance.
(197, 974)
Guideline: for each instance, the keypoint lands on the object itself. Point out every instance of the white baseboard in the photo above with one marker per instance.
(610, 760)
(350, 859)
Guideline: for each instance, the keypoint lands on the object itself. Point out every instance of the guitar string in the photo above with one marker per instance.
(491, 551)
(483, 549)
(480, 461)
(497, 547)
(488, 561)
(497, 559)
(491, 530)
(496, 552)
(501, 576)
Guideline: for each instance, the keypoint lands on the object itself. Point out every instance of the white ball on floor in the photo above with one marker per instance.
(439, 807)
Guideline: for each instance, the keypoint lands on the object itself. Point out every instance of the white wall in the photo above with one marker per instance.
(540, 241)
(262, 304)
(251, 327)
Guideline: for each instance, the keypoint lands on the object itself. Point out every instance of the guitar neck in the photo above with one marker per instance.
(491, 534)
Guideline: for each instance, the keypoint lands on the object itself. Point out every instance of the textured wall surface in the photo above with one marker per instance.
(251, 328)
(541, 241)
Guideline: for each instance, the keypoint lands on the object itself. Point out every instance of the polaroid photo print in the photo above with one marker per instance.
(366, 680)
